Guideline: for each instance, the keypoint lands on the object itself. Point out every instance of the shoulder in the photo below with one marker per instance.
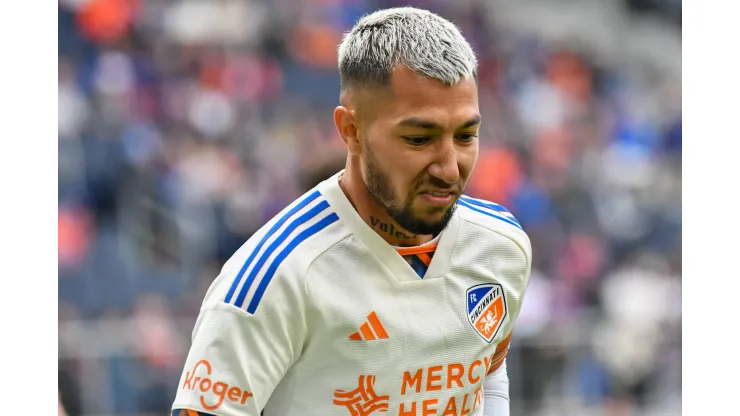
(487, 211)
(494, 219)
(494, 246)
(276, 257)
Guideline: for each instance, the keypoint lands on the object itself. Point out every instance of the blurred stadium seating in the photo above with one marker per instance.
(185, 125)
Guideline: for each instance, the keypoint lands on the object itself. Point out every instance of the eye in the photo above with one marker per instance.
(466, 137)
(417, 140)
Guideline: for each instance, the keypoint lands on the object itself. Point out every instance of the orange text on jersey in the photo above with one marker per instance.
(444, 377)
(219, 389)
(454, 407)
(457, 375)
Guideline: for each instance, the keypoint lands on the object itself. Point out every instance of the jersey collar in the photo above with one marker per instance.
(379, 248)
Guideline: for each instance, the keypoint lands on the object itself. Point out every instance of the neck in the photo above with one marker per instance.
(375, 214)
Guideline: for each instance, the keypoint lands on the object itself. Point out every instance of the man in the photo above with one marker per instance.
(383, 289)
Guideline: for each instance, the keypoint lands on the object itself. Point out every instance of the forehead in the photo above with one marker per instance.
(415, 95)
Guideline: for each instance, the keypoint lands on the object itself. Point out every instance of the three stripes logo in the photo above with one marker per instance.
(490, 209)
(305, 219)
(370, 330)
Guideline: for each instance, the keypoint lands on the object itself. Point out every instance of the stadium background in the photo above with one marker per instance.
(185, 125)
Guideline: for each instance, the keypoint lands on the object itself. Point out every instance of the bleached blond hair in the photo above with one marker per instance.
(424, 42)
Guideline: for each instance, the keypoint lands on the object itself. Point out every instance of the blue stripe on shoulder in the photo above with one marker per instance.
(489, 205)
(468, 205)
(500, 209)
(313, 212)
(305, 234)
(267, 235)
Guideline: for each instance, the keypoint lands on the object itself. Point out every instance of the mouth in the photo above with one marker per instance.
(438, 197)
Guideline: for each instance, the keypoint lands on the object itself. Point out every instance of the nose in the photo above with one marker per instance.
(445, 166)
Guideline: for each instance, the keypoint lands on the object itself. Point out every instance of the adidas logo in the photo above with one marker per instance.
(366, 330)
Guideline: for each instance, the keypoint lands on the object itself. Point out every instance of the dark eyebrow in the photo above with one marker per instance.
(470, 123)
(429, 125)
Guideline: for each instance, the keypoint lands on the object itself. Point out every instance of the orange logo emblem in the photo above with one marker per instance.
(370, 330)
(362, 401)
(486, 309)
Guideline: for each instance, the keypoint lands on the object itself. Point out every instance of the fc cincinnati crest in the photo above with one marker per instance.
(486, 309)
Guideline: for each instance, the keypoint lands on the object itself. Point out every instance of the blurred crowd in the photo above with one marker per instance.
(186, 125)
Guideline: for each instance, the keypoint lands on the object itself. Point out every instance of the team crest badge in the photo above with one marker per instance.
(486, 309)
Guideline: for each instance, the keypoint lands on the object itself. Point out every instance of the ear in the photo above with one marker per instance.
(346, 123)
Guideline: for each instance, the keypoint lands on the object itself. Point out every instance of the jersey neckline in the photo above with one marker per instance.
(384, 252)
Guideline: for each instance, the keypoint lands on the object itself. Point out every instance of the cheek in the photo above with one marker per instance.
(399, 167)
(402, 179)
(466, 160)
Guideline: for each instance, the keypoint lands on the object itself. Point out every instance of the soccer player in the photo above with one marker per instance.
(384, 289)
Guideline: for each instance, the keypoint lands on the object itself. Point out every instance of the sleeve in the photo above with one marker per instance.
(238, 355)
(496, 384)
(500, 355)
(496, 392)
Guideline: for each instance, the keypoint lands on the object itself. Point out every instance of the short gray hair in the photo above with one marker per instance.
(404, 36)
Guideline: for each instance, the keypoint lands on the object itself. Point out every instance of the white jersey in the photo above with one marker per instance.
(317, 315)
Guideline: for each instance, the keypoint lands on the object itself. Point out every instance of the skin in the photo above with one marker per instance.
(414, 136)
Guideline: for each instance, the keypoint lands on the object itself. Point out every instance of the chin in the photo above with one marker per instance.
(433, 213)
(432, 219)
